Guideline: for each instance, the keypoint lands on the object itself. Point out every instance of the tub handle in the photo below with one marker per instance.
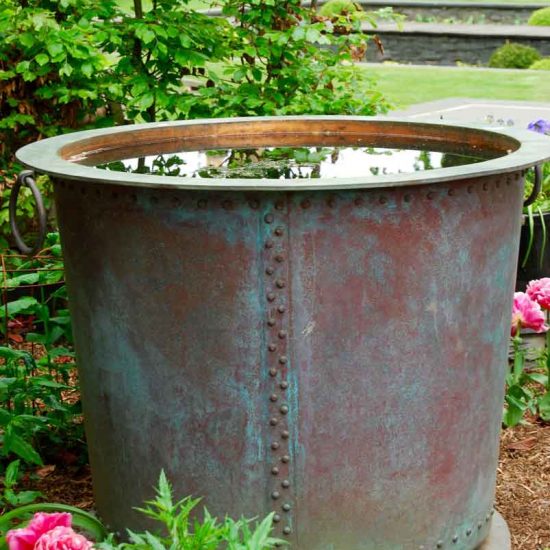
(536, 187)
(26, 177)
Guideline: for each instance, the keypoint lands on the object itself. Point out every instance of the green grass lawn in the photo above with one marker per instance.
(405, 85)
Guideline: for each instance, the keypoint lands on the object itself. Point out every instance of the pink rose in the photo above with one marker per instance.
(62, 538)
(526, 314)
(25, 538)
(539, 290)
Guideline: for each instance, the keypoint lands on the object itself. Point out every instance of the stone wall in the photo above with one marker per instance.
(451, 44)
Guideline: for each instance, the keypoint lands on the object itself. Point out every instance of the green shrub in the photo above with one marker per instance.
(514, 56)
(339, 7)
(541, 65)
(540, 17)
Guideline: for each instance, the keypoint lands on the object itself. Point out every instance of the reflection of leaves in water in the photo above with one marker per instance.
(276, 163)
(161, 166)
(450, 159)
(423, 162)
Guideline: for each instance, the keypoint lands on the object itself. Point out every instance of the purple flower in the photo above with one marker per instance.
(541, 126)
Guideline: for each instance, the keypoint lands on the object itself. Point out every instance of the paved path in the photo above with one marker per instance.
(490, 112)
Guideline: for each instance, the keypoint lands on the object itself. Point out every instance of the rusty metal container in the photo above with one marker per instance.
(330, 350)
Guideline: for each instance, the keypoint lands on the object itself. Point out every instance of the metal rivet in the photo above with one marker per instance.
(492, 512)
(271, 296)
(283, 359)
(282, 334)
(279, 231)
(487, 518)
(382, 200)
(254, 204)
(287, 530)
(468, 532)
(407, 198)
(280, 283)
(439, 544)
(273, 372)
(285, 484)
(305, 203)
(430, 195)
(276, 518)
(275, 495)
(455, 539)
(285, 459)
(451, 192)
(275, 471)
(269, 218)
(275, 445)
(271, 322)
(272, 347)
(485, 186)
(470, 188)
(281, 309)
(286, 507)
(274, 421)
(270, 271)
(508, 181)
(285, 434)
(279, 205)
(279, 258)
(269, 244)
(479, 525)
(284, 409)
(273, 397)
(201, 203)
(283, 385)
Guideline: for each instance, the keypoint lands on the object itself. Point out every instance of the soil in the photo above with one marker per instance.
(523, 485)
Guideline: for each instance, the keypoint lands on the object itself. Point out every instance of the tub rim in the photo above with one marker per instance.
(45, 157)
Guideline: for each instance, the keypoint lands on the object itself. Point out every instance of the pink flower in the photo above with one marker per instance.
(539, 290)
(26, 538)
(526, 314)
(62, 538)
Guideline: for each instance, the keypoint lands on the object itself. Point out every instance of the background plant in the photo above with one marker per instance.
(514, 56)
(540, 17)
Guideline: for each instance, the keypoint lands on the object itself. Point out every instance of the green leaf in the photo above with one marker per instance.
(55, 48)
(12, 473)
(24, 498)
(42, 59)
(544, 407)
(26, 305)
(16, 444)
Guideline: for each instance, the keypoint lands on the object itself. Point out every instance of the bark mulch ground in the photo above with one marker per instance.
(523, 486)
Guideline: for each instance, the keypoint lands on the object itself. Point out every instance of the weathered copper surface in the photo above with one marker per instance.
(335, 356)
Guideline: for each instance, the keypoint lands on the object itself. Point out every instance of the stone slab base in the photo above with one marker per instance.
(499, 537)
